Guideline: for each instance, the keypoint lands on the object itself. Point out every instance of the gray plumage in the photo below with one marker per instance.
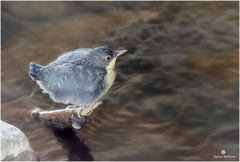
(80, 77)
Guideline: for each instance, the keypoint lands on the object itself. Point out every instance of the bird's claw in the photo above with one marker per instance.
(89, 112)
(79, 113)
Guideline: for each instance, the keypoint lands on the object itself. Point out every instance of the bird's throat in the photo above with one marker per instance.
(111, 65)
(110, 76)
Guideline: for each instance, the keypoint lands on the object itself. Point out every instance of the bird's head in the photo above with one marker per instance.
(104, 57)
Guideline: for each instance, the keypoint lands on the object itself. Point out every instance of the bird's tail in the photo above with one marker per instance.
(35, 71)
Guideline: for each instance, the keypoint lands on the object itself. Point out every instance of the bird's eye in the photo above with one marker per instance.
(108, 58)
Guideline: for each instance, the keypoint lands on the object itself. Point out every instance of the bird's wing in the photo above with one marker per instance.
(68, 83)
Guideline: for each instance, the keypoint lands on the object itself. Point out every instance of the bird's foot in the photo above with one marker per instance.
(79, 109)
(80, 112)
(83, 114)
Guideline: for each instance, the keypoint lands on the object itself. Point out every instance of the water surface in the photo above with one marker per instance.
(176, 92)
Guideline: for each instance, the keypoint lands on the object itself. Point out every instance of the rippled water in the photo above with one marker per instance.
(176, 93)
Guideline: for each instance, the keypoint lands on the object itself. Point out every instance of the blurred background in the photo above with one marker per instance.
(176, 93)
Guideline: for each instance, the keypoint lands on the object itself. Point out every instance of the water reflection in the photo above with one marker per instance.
(77, 150)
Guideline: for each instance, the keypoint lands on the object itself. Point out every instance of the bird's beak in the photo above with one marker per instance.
(119, 53)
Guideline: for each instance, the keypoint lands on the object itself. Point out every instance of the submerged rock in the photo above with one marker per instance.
(14, 144)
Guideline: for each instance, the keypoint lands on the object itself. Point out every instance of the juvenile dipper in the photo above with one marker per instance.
(80, 77)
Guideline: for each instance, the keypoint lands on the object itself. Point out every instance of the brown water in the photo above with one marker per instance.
(176, 93)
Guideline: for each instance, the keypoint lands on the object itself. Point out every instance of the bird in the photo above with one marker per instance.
(80, 77)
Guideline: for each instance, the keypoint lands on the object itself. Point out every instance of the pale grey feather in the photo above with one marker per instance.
(77, 85)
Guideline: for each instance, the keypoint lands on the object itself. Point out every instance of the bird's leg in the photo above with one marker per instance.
(81, 111)
(75, 123)
(74, 107)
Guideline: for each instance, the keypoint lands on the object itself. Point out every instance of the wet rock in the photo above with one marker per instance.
(15, 145)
